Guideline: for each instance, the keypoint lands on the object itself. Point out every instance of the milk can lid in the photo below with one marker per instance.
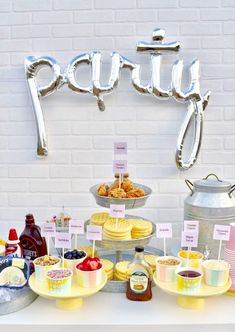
(211, 183)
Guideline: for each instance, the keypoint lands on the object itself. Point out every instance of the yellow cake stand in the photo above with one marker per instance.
(68, 301)
(191, 301)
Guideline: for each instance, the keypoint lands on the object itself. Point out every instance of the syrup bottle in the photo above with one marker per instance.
(139, 278)
(13, 246)
(33, 244)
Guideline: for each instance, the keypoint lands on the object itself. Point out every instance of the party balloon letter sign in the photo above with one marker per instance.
(197, 101)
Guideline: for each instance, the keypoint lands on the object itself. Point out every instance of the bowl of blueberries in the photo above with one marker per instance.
(73, 257)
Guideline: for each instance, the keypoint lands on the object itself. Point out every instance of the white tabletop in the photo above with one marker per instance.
(112, 312)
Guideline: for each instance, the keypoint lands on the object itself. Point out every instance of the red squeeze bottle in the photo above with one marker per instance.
(33, 244)
(13, 246)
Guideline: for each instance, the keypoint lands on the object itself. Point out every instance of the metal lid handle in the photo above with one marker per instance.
(190, 185)
(231, 190)
(212, 174)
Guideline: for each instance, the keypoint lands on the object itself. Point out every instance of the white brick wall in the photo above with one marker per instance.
(80, 137)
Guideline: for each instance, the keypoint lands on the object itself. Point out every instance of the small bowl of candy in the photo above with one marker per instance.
(44, 264)
(59, 281)
(72, 258)
(89, 272)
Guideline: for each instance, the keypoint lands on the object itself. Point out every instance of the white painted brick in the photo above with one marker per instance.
(228, 3)
(153, 142)
(229, 85)
(156, 172)
(58, 128)
(87, 16)
(212, 143)
(224, 99)
(213, 157)
(72, 4)
(3, 143)
(200, 29)
(72, 30)
(70, 171)
(3, 199)
(178, 15)
(16, 45)
(52, 17)
(136, 16)
(222, 71)
(96, 157)
(64, 142)
(5, 5)
(71, 200)
(5, 32)
(229, 142)
(115, 29)
(28, 200)
(229, 172)
(29, 171)
(229, 113)
(215, 14)
(168, 215)
(3, 171)
(46, 44)
(89, 44)
(91, 128)
(229, 56)
(145, 29)
(218, 42)
(105, 172)
(21, 142)
(229, 28)
(104, 143)
(199, 3)
(29, 5)
(32, 31)
(137, 128)
(81, 185)
(15, 19)
(154, 4)
(4, 59)
(47, 186)
(115, 4)
(14, 185)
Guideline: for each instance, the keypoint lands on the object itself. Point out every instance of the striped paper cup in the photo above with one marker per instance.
(89, 279)
(216, 272)
(188, 280)
(41, 270)
(166, 272)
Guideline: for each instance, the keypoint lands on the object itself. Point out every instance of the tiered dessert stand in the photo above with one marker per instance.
(118, 250)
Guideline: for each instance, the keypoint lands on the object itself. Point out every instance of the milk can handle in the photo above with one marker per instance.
(231, 190)
(212, 174)
(190, 185)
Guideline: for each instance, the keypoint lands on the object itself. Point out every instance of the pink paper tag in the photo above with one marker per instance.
(94, 232)
(221, 232)
(63, 240)
(117, 211)
(119, 166)
(76, 227)
(164, 230)
(120, 148)
(191, 225)
(189, 239)
(48, 229)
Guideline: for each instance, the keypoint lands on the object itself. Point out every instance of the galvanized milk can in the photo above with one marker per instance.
(210, 202)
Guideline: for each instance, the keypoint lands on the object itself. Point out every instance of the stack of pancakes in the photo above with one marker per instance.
(108, 267)
(117, 230)
(140, 228)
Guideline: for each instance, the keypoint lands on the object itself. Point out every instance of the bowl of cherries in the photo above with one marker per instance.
(72, 258)
(89, 272)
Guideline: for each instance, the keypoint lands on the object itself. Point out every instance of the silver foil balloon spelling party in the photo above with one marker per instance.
(197, 102)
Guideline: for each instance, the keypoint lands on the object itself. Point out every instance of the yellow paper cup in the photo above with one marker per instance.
(216, 273)
(41, 270)
(59, 286)
(89, 279)
(188, 280)
(194, 261)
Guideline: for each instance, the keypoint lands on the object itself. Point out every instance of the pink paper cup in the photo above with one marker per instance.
(166, 272)
(89, 279)
(231, 243)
